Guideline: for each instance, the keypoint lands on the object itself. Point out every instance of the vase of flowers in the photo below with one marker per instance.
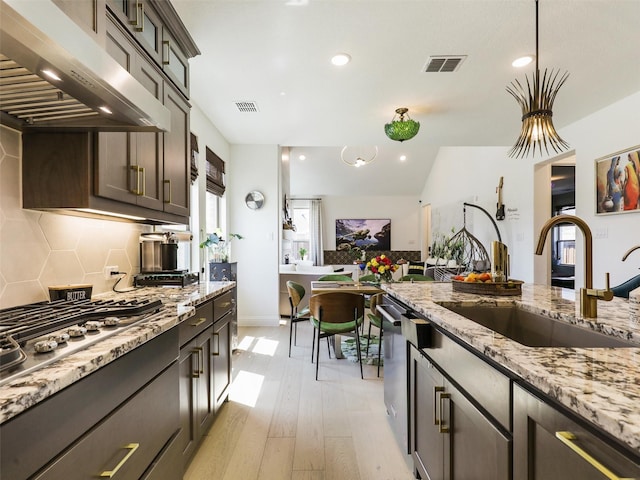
(382, 267)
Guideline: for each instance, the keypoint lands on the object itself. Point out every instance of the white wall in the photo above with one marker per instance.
(255, 167)
(404, 213)
(471, 174)
(603, 133)
(208, 136)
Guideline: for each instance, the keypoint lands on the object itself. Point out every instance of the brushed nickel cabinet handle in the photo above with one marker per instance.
(132, 447)
(436, 416)
(196, 370)
(199, 322)
(136, 20)
(139, 27)
(166, 54)
(168, 182)
(144, 181)
(569, 438)
(442, 428)
(137, 190)
(217, 337)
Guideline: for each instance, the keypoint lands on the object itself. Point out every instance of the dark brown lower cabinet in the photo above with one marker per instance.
(196, 381)
(451, 437)
(205, 369)
(549, 444)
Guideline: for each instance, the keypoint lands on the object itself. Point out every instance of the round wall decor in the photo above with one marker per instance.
(254, 200)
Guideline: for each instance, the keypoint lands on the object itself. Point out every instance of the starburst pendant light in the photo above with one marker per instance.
(537, 115)
(403, 128)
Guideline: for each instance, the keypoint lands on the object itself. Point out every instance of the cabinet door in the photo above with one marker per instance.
(221, 360)
(540, 452)
(475, 447)
(187, 438)
(175, 63)
(176, 154)
(89, 14)
(116, 150)
(148, 31)
(148, 145)
(130, 164)
(427, 443)
(203, 414)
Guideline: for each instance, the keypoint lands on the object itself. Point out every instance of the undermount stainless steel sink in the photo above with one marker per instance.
(536, 330)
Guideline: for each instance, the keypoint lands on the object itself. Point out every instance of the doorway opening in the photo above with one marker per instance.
(563, 237)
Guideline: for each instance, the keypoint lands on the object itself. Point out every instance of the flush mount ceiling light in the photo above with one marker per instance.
(358, 156)
(536, 102)
(340, 59)
(522, 61)
(401, 129)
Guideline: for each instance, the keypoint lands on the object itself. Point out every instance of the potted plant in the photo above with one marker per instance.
(217, 247)
(302, 252)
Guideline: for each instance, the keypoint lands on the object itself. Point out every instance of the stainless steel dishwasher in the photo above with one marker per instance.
(400, 326)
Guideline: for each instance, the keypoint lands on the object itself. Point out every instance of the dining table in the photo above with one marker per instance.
(363, 288)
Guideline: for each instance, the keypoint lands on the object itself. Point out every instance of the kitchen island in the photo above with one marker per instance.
(599, 385)
(97, 408)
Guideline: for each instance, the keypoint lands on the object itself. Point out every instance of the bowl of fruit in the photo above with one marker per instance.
(482, 283)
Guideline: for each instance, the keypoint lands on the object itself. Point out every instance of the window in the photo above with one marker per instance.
(564, 240)
(301, 238)
(216, 213)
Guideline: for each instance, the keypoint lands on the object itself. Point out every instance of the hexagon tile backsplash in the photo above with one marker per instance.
(40, 249)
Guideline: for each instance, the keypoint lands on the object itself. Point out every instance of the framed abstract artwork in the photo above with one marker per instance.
(366, 234)
(618, 182)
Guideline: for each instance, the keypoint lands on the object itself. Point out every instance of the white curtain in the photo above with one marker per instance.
(315, 232)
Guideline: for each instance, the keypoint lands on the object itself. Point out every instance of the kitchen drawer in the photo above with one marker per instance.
(128, 440)
(192, 326)
(490, 388)
(31, 440)
(222, 305)
(168, 464)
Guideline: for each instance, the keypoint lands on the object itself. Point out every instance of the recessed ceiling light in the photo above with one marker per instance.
(522, 61)
(106, 109)
(340, 59)
(52, 75)
(403, 158)
(302, 157)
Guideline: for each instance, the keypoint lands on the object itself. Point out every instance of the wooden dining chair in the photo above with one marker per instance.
(336, 313)
(376, 320)
(298, 314)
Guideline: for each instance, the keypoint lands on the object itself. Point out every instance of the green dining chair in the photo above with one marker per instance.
(376, 321)
(367, 278)
(335, 278)
(298, 314)
(336, 313)
(416, 277)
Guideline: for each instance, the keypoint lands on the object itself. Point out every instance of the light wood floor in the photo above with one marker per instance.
(282, 424)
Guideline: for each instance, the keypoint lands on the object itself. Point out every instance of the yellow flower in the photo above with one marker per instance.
(382, 257)
(374, 262)
(381, 269)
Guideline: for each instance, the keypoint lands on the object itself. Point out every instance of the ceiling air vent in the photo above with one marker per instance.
(449, 63)
(247, 107)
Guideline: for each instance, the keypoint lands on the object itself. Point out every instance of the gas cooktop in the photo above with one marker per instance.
(38, 334)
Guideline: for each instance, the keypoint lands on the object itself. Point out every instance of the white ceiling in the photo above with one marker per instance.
(276, 53)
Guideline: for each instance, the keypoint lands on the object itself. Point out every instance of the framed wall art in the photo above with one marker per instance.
(367, 234)
(618, 182)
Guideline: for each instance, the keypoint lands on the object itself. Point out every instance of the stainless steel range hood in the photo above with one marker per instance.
(36, 37)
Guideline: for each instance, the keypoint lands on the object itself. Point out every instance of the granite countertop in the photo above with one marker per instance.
(178, 305)
(601, 385)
